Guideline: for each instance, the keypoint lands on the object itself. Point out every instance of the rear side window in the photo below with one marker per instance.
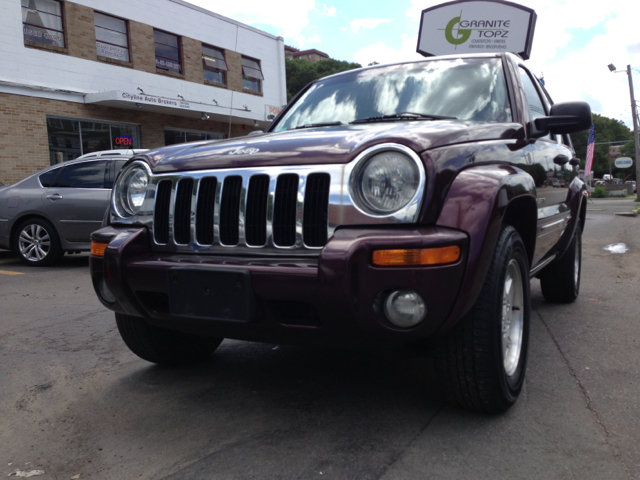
(115, 171)
(47, 178)
(83, 175)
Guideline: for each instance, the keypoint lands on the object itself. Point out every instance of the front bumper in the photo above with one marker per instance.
(331, 300)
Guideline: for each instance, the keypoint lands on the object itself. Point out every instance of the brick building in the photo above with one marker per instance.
(92, 75)
(312, 55)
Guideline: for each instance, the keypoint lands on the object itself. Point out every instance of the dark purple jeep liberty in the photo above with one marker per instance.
(386, 206)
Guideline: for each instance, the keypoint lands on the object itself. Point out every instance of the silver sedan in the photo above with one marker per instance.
(55, 210)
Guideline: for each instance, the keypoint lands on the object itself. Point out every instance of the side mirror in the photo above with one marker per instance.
(560, 159)
(567, 117)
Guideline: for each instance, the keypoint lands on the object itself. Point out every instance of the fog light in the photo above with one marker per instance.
(105, 293)
(405, 308)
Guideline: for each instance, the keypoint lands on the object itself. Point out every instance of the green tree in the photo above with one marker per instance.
(300, 72)
(607, 130)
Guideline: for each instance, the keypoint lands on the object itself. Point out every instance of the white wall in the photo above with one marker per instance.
(22, 65)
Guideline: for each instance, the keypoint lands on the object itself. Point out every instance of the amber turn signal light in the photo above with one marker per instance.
(416, 257)
(98, 248)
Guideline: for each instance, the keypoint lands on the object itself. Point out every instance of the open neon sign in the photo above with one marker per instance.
(124, 140)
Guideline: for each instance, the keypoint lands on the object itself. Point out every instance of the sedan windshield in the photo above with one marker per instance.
(463, 88)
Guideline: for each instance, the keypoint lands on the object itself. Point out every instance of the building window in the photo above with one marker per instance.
(173, 136)
(251, 74)
(69, 138)
(214, 64)
(167, 51)
(111, 37)
(42, 22)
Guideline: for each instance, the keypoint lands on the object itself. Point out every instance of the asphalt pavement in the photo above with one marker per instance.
(76, 404)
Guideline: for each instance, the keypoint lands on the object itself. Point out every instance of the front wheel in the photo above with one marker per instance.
(481, 362)
(162, 346)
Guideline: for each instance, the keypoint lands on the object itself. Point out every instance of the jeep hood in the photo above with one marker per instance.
(318, 146)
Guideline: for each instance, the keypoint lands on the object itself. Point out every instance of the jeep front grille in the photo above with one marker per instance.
(270, 210)
(256, 211)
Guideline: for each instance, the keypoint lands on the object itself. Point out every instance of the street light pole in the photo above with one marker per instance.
(634, 112)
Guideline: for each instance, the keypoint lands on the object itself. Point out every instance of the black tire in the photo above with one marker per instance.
(37, 243)
(164, 347)
(560, 281)
(476, 369)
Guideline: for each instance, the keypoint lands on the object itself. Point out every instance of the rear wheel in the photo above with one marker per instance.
(36, 242)
(162, 346)
(560, 281)
(481, 362)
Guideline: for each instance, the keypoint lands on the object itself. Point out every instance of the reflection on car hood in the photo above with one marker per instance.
(317, 146)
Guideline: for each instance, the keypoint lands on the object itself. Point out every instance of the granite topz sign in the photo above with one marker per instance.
(469, 26)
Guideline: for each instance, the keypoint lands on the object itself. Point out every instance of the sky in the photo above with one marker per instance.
(574, 40)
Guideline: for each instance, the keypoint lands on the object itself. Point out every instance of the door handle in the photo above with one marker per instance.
(55, 196)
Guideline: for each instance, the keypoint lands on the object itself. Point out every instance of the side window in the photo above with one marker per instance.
(536, 105)
(83, 175)
(47, 178)
(115, 170)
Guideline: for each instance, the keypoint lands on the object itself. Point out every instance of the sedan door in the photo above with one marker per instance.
(78, 200)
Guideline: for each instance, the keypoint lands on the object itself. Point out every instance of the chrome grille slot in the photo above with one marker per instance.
(229, 210)
(182, 214)
(161, 213)
(284, 210)
(205, 210)
(255, 229)
(316, 209)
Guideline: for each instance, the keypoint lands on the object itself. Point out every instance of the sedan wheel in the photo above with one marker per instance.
(36, 243)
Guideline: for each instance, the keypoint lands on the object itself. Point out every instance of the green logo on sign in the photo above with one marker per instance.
(463, 34)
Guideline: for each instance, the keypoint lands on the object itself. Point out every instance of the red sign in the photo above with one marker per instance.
(124, 140)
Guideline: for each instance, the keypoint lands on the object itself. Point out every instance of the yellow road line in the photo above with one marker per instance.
(7, 272)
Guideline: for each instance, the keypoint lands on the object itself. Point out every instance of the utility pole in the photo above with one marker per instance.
(634, 113)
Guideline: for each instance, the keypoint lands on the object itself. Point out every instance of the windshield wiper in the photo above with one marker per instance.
(404, 116)
(325, 124)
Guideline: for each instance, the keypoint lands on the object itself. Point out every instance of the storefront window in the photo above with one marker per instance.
(111, 37)
(69, 138)
(214, 64)
(167, 51)
(173, 136)
(42, 22)
(251, 74)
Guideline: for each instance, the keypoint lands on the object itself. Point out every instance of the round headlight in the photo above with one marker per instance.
(131, 191)
(387, 182)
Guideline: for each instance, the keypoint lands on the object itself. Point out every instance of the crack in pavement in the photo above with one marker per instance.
(614, 450)
(401, 453)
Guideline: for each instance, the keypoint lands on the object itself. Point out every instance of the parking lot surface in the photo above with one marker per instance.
(75, 403)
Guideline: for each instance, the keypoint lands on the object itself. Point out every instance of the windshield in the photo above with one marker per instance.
(464, 88)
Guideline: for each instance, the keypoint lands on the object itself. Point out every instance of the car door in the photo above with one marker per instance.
(549, 159)
(77, 201)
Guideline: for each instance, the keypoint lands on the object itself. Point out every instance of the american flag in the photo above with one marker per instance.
(591, 144)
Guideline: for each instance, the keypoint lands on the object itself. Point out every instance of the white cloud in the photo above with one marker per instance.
(344, 29)
(329, 11)
(414, 12)
(287, 17)
(364, 23)
(314, 39)
(381, 53)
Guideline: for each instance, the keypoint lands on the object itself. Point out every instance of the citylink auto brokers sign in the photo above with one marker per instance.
(470, 26)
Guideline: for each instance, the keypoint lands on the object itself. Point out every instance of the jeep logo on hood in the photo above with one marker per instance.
(244, 151)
